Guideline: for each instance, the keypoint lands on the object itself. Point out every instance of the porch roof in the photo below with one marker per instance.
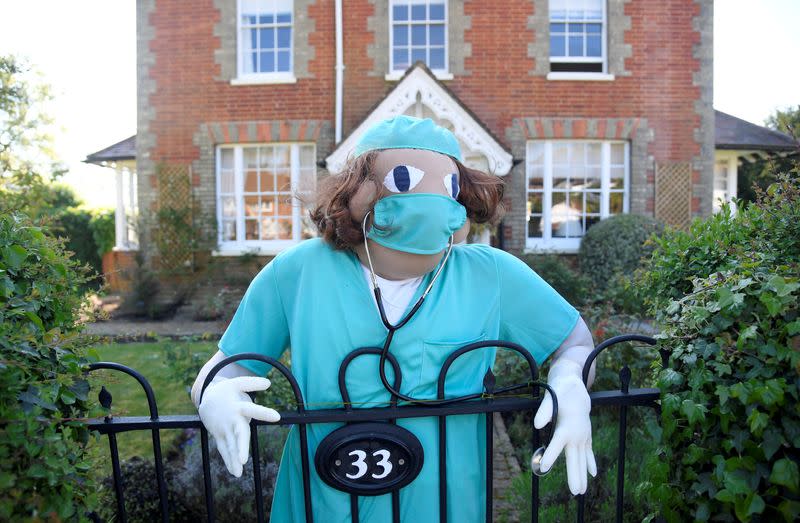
(735, 133)
(123, 150)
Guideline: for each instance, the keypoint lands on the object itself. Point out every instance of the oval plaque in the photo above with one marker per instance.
(369, 459)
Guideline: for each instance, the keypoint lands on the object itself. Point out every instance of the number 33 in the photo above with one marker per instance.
(361, 465)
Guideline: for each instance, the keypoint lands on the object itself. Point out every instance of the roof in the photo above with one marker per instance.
(735, 133)
(420, 81)
(124, 150)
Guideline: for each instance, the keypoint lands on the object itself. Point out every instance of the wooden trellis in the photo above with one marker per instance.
(674, 194)
(175, 220)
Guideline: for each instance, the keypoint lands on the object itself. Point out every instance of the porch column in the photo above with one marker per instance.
(732, 179)
(120, 221)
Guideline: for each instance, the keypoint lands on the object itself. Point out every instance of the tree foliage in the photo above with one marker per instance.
(26, 157)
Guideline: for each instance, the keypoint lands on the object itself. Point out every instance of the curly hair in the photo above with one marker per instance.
(480, 193)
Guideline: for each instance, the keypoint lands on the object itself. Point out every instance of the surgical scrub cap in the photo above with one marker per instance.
(407, 132)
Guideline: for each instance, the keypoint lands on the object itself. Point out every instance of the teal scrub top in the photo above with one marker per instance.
(315, 300)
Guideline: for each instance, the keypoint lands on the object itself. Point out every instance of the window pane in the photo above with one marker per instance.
(284, 205)
(267, 205)
(284, 62)
(594, 28)
(400, 34)
(593, 175)
(283, 180)
(228, 230)
(267, 62)
(437, 12)
(535, 227)
(266, 38)
(226, 158)
(282, 158)
(558, 28)
(593, 47)
(228, 206)
(251, 229)
(591, 220)
(284, 18)
(618, 154)
(308, 157)
(226, 182)
(536, 182)
(284, 37)
(250, 158)
(616, 202)
(536, 153)
(418, 34)
(266, 19)
(267, 181)
(437, 34)
(594, 153)
(417, 55)
(560, 153)
(557, 46)
(418, 12)
(437, 58)
(251, 181)
(535, 203)
(400, 57)
(400, 12)
(575, 46)
(251, 206)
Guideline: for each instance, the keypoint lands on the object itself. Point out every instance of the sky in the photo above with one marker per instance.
(86, 50)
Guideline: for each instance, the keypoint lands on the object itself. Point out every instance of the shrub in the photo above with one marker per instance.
(726, 296)
(556, 271)
(615, 247)
(44, 465)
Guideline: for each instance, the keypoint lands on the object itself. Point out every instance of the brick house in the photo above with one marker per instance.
(587, 108)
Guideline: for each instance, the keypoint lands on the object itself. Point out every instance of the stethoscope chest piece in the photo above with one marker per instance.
(536, 462)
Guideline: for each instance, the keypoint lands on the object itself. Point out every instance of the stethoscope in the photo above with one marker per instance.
(538, 453)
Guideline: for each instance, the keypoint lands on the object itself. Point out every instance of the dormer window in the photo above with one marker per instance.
(418, 32)
(577, 36)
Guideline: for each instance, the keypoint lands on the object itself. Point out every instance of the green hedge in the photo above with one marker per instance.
(615, 247)
(44, 469)
(726, 296)
(88, 234)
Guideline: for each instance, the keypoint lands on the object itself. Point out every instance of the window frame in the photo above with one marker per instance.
(442, 74)
(243, 78)
(241, 245)
(571, 245)
(603, 60)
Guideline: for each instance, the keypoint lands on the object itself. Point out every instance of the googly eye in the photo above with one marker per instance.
(403, 178)
(451, 184)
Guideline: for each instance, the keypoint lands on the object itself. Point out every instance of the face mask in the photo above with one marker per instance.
(416, 223)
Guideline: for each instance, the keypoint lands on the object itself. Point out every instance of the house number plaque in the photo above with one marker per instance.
(369, 459)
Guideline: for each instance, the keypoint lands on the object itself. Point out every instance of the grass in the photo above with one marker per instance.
(128, 398)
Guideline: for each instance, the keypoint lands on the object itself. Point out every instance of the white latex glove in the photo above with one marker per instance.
(226, 411)
(573, 430)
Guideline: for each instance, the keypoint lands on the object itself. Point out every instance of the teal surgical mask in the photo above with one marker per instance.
(418, 223)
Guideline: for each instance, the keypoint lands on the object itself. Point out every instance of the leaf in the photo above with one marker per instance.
(14, 255)
(785, 472)
(757, 421)
(694, 412)
(752, 504)
(771, 302)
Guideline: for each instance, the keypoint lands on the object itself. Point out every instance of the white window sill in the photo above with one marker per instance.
(581, 77)
(396, 75)
(550, 248)
(253, 251)
(277, 78)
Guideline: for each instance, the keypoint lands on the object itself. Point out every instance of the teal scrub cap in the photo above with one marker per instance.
(407, 132)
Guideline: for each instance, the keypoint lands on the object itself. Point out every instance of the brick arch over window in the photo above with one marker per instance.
(419, 94)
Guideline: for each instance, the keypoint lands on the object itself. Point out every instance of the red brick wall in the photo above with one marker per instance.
(498, 89)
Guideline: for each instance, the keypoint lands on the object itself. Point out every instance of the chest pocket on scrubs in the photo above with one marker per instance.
(465, 374)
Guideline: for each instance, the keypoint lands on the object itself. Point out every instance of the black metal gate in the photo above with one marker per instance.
(490, 400)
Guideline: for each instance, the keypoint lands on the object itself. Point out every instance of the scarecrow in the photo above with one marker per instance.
(391, 268)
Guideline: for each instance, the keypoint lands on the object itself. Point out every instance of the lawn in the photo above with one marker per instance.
(171, 390)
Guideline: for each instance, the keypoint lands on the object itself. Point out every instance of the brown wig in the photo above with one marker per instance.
(480, 193)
